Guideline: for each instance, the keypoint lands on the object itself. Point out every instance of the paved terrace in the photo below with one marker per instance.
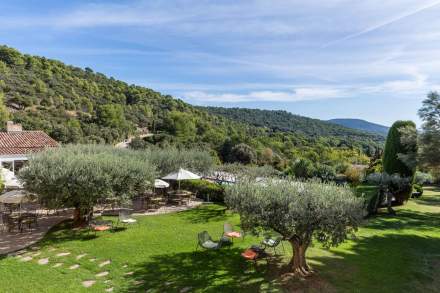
(11, 242)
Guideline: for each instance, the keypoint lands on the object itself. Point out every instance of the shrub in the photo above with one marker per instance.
(395, 185)
(422, 178)
(325, 172)
(354, 174)
(341, 167)
(302, 168)
(205, 189)
(244, 154)
(418, 188)
(374, 167)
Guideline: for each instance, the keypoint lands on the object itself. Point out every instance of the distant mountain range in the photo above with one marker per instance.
(363, 125)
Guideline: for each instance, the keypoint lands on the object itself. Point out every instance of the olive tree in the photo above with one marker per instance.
(243, 172)
(171, 159)
(299, 211)
(389, 186)
(79, 176)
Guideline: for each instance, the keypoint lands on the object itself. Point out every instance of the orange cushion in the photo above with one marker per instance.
(233, 234)
(249, 254)
(101, 228)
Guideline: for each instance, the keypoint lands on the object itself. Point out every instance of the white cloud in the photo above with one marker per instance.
(299, 94)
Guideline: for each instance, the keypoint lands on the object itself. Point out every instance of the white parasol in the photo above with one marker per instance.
(180, 175)
(160, 184)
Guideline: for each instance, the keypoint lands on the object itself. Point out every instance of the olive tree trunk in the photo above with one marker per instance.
(299, 262)
(81, 216)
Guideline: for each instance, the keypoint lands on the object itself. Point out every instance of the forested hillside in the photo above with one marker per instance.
(362, 125)
(288, 122)
(75, 105)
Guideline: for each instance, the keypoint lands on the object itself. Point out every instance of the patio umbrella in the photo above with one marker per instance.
(9, 179)
(180, 175)
(160, 184)
(15, 197)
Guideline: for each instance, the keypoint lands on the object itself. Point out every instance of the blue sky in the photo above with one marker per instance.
(374, 60)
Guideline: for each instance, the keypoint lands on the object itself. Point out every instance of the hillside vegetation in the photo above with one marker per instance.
(287, 122)
(75, 105)
(362, 125)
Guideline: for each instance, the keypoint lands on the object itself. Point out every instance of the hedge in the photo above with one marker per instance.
(205, 189)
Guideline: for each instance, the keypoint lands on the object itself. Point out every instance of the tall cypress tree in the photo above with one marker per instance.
(392, 164)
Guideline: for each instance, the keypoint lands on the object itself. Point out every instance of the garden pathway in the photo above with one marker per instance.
(10, 242)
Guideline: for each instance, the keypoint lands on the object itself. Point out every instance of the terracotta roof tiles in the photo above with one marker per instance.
(24, 142)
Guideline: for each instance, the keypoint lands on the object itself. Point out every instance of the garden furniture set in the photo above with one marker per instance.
(255, 252)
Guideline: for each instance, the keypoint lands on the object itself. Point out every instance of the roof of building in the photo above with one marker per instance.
(24, 142)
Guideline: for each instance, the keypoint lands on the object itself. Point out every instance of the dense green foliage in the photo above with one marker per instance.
(171, 159)
(74, 105)
(430, 136)
(362, 125)
(4, 114)
(284, 121)
(2, 185)
(369, 193)
(418, 188)
(243, 153)
(79, 176)
(390, 188)
(205, 190)
(422, 178)
(299, 211)
(392, 164)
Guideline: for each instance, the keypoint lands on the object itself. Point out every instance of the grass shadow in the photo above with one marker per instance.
(405, 219)
(65, 232)
(390, 263)
(210, 271)
(430, 201)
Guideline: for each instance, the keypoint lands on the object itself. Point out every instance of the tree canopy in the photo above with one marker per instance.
(299, 211)
(395, 146)
(79, 176)
(4, 114)
(430, 136)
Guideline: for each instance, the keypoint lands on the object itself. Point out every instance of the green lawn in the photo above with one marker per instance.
(391, 254)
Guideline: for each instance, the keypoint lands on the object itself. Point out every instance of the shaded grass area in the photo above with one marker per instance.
(390, 254)
(428, 198)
